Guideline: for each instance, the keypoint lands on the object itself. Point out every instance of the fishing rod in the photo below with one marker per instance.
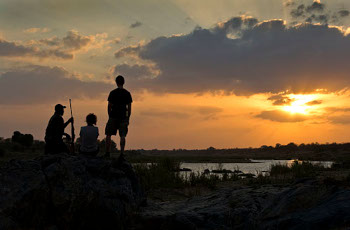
(72, 149)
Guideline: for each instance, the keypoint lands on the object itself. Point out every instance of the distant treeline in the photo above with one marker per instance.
(289, 147)
(25, 143)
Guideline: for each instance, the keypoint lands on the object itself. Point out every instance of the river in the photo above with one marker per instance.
(255, 167)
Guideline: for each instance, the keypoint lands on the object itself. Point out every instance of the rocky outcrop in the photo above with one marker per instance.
(305, 205)
(68, 192)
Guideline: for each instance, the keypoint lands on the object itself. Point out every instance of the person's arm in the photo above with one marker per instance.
(68, 137)
(129, 110)
(109, 109)
(70, 120)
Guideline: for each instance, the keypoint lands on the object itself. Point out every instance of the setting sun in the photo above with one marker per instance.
(299, 104)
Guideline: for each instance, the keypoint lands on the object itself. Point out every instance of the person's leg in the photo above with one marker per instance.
(108, 145)
(62, 148)
(122, 145)
(123, 131)
(111, 129)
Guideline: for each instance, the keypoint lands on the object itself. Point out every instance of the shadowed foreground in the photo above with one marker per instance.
(307, 204)
(68, 192)
(72, 192)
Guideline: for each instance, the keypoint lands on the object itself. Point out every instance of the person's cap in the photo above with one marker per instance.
(59, 107)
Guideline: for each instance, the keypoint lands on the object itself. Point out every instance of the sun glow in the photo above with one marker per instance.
(299, 104)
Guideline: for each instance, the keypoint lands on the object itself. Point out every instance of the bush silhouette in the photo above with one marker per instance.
(23, 139)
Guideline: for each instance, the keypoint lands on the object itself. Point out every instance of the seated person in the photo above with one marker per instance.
(54, 132)
(88, 137)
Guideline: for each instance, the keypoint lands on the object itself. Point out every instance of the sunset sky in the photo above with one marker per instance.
(223, 73)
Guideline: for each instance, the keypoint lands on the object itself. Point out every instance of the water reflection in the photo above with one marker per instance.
(255, 167)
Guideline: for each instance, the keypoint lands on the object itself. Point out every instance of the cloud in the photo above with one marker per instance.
(116, 41)
(54, 47)
(136, 24)
(282, 116)
(337, 109)
(36, 30)
(344, 13)
(314, 102)
(12, 49)
(156, 113)
(344, 119)
(75, 41)
(317, 12)
(246, 56)
(128, 51)
(280, 100)
(136, 71)
(315, 7)
(183, 112)
(42, 84)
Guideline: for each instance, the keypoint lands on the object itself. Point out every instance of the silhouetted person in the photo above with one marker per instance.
(55, 131)
(119, 111)
(88, 137)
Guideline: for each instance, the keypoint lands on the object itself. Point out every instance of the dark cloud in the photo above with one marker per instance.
(42, 84)
(136, 24)
(281, 116)
(344, 13)
(315, 102)
(298, 12)
(315, 7)
(75, 41)
(317, 12)
(12, 49)
(280, 100)
(246, 57)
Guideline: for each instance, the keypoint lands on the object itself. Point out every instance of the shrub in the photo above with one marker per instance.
(165, 174)
(296, 170)
(2, 152)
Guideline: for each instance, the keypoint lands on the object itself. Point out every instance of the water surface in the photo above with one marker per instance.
(255, 167)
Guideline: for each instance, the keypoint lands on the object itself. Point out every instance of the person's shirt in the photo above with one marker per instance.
(119, 98)
(55, 128)
(88, 138)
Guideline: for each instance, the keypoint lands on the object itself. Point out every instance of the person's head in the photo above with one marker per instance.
(91, 119)
(59, 109)
(120, 81)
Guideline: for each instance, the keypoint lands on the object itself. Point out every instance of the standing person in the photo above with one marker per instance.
(55, 130)
(119, 111)
(88, 137)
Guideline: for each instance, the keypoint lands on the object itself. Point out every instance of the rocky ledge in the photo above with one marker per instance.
(68, 192)
(306, 204)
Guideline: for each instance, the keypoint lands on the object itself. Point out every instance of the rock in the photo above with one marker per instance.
(221, 171)
(68, 192)
(206, 171)
(183, 170)
(304, 205)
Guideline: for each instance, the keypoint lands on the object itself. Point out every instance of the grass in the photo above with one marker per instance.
(165, 174)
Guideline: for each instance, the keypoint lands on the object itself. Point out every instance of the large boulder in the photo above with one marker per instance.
(68, 192)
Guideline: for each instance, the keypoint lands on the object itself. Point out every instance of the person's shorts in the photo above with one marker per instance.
(113, 125)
